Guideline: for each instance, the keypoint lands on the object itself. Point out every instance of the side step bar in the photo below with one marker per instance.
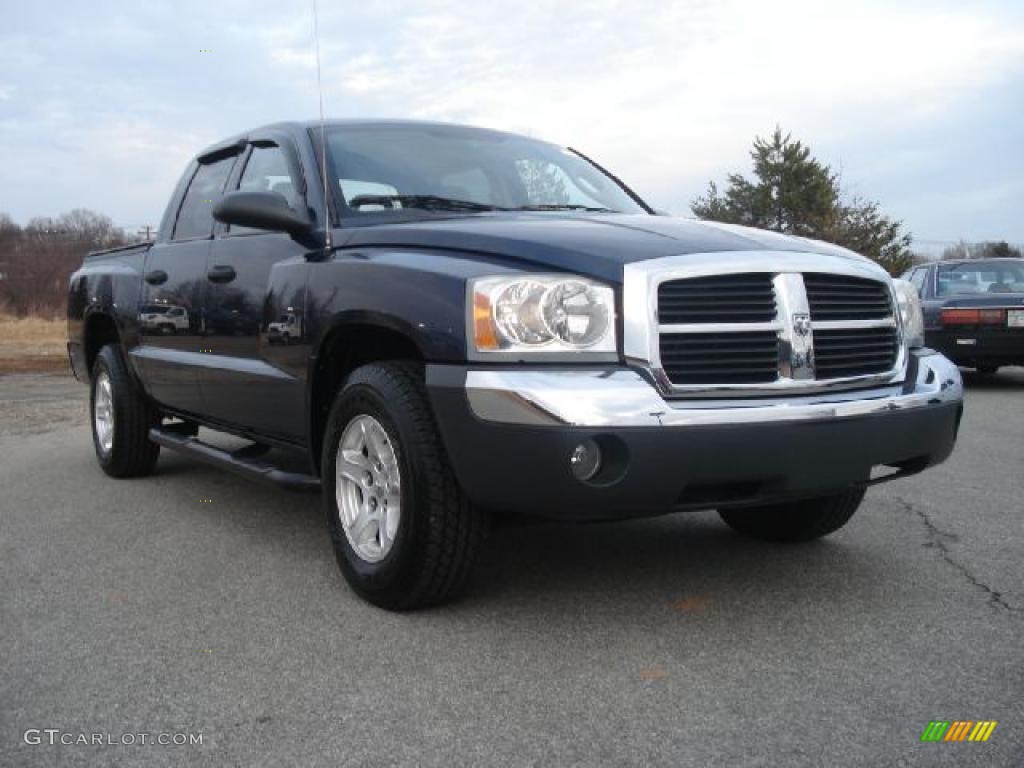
(241, 462)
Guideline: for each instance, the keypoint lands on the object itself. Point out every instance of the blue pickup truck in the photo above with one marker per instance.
(428, 323)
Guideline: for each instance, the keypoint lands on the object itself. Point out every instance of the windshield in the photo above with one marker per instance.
(439, 167)
(981, 277)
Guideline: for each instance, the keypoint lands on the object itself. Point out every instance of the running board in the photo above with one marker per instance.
(242, 461)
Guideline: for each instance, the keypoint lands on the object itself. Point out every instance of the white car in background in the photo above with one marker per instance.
(287, 328)
(163, 318)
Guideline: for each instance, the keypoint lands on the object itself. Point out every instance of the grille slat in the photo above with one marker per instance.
(859, 346)
(738, 362)
(852, 357)
(744, 298)
(715, 340)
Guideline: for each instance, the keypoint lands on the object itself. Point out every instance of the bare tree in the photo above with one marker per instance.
(37, 260)
(985, 250)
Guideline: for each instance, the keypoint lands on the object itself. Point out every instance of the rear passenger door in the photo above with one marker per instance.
(174, 290)
(255, 307)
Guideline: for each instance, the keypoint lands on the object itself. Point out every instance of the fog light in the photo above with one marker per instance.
(585, 460)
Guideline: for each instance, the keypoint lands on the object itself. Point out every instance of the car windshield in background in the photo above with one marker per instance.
(470, 170)
(981, 277)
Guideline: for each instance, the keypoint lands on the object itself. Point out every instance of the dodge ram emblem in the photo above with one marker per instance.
(802, 324)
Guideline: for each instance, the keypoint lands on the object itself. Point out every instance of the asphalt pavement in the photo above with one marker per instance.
(192, 602)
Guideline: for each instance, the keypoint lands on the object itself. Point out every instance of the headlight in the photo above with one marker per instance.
(910, 312)
(525, 314)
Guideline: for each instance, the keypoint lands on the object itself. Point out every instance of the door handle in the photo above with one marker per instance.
(221, 273)
(156, 277)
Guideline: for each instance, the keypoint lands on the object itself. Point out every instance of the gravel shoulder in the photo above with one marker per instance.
(33, 403)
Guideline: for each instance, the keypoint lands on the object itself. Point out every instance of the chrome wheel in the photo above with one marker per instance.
(368, 488)
(103, 413)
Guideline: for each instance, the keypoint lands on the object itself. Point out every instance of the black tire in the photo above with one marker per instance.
(131, 453)
(802, 520)
(987, 370)
(439, 534)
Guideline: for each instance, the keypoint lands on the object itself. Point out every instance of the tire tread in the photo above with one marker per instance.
(133, 454)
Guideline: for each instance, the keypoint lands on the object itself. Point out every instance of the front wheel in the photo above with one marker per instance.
(802, 520)
(404, 534)
(121, 418)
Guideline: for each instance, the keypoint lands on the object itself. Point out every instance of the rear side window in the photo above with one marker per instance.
(195, 219)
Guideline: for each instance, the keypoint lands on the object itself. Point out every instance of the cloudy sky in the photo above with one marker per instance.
(920, 104)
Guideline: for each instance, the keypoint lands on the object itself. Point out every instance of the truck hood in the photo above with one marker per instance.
(597, 245)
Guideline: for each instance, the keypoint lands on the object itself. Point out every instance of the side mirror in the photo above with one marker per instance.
(262, 210)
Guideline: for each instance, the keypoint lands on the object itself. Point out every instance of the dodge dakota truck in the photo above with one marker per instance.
(480, 322)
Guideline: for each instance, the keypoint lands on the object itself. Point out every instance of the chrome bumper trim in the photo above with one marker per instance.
(623, 398)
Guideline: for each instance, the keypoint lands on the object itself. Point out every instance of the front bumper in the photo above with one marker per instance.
(509, 433)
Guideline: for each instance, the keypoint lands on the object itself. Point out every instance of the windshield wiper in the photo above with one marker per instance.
(562, 207)
(427, 202)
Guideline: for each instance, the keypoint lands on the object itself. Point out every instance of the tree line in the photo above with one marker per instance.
(36, 260)
(987, 250)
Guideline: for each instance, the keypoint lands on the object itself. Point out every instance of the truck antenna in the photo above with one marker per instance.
(323, 141)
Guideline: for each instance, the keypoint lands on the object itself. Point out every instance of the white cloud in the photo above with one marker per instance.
(675, 91)
(107, 109)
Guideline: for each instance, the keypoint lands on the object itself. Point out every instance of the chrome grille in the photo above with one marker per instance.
(854, 351)
(717, 299)
(720, 358)
(720, 323)
(842, 297)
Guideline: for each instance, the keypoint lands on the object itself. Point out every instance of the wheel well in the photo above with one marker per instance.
(346, 349)
(100, 330)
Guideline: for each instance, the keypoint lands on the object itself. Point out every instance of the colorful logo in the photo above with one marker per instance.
(958, 730)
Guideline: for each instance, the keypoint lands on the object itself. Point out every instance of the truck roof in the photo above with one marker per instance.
(300, 127)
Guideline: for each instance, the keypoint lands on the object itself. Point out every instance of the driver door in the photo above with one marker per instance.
(255, 372)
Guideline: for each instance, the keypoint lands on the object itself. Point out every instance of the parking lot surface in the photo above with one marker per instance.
(194, 602)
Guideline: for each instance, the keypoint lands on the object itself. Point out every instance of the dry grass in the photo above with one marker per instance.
(32, 344)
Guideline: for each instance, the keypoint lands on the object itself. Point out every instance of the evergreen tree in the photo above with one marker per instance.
(792, 192)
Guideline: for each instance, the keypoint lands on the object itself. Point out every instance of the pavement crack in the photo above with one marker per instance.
(939, 540)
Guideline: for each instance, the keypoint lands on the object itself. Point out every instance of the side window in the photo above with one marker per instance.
(195, 218)
(918, 278)
(266, 171)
